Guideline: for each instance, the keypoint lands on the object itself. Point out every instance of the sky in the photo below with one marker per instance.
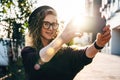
(66, 9)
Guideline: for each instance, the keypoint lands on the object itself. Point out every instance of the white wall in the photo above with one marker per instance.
(115, 42)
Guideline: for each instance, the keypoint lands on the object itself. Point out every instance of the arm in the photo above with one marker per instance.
(51, 49)
(101, 40)
(68, 33)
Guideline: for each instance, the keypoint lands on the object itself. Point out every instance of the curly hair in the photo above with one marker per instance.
(35, 24)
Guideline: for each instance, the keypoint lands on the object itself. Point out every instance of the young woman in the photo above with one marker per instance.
(44, 56)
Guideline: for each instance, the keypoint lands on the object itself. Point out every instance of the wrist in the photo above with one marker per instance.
(62, 38)
(97, 46)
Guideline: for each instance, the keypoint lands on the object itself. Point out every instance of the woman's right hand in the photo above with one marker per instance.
(70, 31)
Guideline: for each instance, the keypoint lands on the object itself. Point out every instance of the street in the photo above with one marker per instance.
(104, 67)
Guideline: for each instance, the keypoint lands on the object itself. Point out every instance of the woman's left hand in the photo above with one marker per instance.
(103, 38)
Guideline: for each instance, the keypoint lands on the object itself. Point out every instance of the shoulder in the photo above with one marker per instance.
(27, 50)
(73, 51)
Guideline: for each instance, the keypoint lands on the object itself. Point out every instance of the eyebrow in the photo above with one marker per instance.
(50, 22)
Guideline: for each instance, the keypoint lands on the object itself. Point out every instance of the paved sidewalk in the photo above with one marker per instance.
(103, 67)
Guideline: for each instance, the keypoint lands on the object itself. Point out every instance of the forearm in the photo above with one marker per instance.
(101, 40)
(50, 50)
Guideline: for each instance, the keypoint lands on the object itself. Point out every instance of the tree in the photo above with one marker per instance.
(15, 13)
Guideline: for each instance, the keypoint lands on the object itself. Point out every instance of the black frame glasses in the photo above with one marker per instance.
(47, 25)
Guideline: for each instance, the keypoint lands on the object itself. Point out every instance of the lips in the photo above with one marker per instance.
(49, 33)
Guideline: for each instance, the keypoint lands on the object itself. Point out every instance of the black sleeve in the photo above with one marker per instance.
(29, 59)
(79, 58)
(81, 55)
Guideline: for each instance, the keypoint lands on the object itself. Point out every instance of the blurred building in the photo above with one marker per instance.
(111, 10)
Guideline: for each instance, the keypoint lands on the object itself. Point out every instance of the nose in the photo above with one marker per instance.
(50, 27)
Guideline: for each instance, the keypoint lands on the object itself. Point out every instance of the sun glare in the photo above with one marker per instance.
(79, 21)
(66, 9)
(84, 23)
(70, 9)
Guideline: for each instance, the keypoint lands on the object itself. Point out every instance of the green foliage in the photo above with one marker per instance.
(15, 11)
(15, 70)
(4, 10)
(24, 7)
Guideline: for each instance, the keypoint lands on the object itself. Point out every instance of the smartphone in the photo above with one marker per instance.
(99, 24)
(94, 24)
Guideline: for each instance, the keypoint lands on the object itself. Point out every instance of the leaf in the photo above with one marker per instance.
(4, 10)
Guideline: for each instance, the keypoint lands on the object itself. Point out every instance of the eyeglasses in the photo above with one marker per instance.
(47, 25)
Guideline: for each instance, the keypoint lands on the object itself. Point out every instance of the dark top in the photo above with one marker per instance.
(63, 66)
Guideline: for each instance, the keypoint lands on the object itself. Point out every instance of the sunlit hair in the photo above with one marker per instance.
(35, 24)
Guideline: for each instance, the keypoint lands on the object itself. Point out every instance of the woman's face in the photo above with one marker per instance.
(49, 27)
